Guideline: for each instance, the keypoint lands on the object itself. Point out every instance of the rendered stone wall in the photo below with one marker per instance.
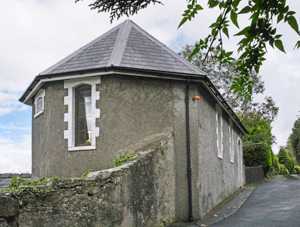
(213, 179)
(131, 109)
(254, 174)
(140, 193)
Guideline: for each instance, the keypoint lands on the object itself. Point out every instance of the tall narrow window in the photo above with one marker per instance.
(83, 115)
(240, 161)
(231, 142)
(219, 131)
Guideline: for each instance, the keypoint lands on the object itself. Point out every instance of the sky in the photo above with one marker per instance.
(37, 34)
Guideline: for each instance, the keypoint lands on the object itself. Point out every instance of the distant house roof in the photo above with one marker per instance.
(130, 50)
(6, 177)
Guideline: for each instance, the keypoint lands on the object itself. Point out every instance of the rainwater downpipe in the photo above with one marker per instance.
(188, 149)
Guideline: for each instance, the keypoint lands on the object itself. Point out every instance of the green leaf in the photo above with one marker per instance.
(290, 13)
(228, 54)
(293, 23)
(244, 31)
(279, 45)
(182, 22)
(249, 89)
(247, 9)
(198, 7)
(195, 51)
(279, 18)
(297, 45)
(255, 18)
(225, 31)
(233, 17)
(235, 3)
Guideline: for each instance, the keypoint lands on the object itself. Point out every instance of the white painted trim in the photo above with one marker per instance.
(40, 94)
(81, 148)
(69, 117)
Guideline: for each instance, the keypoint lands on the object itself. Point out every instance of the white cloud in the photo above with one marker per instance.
(9, 102)
(15, 157)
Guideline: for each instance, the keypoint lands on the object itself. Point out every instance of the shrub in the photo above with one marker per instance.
(283, 170)
(285, 159)
(297, 170)
(275, 163)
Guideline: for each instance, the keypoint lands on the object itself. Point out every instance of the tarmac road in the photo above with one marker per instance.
(272, 203)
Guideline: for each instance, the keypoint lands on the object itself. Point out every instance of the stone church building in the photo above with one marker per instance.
(121, 88)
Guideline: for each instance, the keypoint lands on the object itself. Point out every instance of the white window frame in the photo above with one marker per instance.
(219, 131)
(231, 141)
(69, 117)
(39, 94)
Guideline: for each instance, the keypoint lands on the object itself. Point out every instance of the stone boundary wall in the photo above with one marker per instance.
(254, 174)
(140, 193)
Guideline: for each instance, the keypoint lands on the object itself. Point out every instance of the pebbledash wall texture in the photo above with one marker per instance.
(138, 89)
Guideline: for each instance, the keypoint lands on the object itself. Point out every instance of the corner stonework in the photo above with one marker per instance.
(69, 117)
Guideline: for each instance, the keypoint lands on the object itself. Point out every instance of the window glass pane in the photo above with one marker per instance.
(82, 115)
(39, 104)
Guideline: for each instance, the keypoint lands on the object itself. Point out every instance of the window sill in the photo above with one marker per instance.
(38, 114)
(232, 162)
(80, 148)
(220, 157)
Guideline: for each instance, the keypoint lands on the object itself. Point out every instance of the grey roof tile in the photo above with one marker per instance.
(126, 45)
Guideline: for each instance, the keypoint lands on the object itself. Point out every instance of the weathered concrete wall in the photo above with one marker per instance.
(140, 193)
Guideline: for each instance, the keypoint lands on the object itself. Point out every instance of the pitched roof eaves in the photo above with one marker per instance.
(29, 88)
(48, 71)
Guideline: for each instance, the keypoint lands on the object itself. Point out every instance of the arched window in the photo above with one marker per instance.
(83, 114)
(39, 105)
(39, 102)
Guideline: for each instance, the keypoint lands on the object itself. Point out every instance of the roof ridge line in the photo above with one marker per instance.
(120, 44)
(178, 57)
(48, 70)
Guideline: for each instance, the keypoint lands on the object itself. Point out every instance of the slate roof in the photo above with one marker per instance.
(127, 46)
(6, 177)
